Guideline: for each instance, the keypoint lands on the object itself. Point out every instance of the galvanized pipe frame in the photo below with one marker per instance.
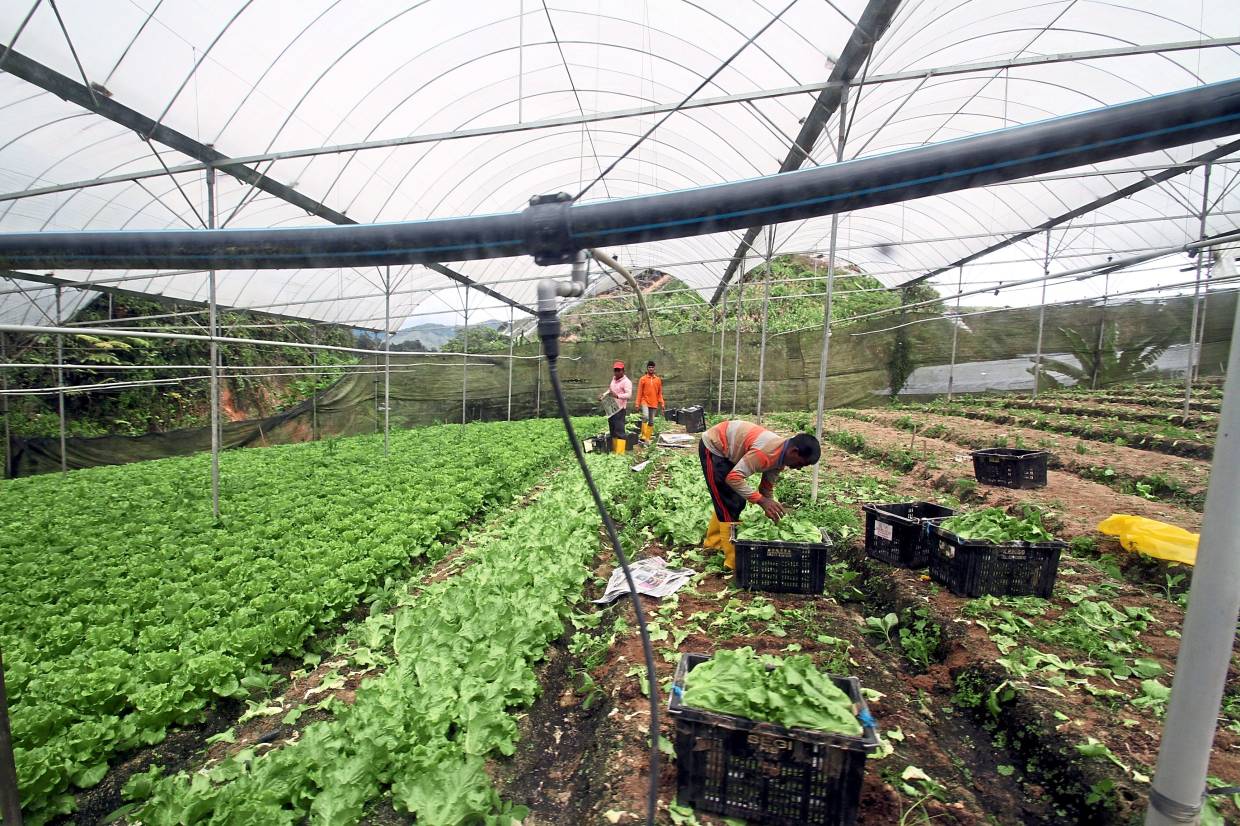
(552, 231)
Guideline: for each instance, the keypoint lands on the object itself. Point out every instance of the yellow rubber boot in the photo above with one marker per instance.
(729, 550)
(619, 445)
(647, 431)
(713, 534)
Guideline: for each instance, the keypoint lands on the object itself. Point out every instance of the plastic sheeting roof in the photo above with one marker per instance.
(250, 78)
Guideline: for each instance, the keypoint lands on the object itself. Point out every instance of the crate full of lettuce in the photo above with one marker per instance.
(769, 740)
(788, 556)
(990, 551)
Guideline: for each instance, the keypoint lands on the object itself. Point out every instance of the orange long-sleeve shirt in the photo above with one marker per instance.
(650, 391)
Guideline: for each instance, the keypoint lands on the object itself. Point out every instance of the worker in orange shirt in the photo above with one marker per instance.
(649, 399)
(731, 452)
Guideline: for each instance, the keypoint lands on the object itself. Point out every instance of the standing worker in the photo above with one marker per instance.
(649, 399)
(620, 391)
(731, 452)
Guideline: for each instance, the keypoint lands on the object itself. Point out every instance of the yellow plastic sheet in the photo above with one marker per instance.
(1152, 538)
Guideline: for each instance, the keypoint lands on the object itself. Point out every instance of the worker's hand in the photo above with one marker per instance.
(602, 395)
(773, 510)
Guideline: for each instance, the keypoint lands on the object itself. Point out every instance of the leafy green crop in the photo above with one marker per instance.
(466, 651)
(790, 692)
(792, 528)
(994, 525)
(125, 609)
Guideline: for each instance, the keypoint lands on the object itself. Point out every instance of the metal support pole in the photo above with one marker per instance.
(1209, 627)
(723, 340)
(60, 380)
(10, 800)
(1201, 326)
(1046, 272)
(951, 370)
(826, 302)
(1102, 329)
(1192, 328)
(465, 359)
(387, 358)
(740, 304)
(314, 396)
(538, 392)
(4, 409)
(213, 331)
(766, 300)
(511, 340)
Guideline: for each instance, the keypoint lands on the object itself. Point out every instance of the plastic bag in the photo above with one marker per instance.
(1152, 538)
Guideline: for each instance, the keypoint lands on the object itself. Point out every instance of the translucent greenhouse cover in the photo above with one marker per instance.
(254, 78)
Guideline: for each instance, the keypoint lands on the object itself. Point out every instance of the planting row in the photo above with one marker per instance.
(1166, 438)
(465, 647)
(125, 609)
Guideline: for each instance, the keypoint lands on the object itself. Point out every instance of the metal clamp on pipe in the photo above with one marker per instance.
(548, 232)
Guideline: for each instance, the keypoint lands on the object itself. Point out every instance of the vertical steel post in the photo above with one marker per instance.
(1201, 326)
(1102, 329)
(214, 358)
(1192, 327)
(740, 305)
(1209, 627)
(4, 409)
(314, 396)
(538, 392)
(465, 359)
(723, 341)
(10, 800)
(387, 358)
(951, 370)
(60, 380)
(511, 340)
(826, 302)
(766, 300)
(1046, 272)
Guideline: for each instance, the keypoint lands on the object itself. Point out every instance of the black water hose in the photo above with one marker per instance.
(552, 230)
(549, 332)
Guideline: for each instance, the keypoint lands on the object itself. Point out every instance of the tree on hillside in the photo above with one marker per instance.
(482, 339)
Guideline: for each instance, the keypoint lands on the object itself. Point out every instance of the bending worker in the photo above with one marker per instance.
(620, 390)
(731, 452)
(650, 399)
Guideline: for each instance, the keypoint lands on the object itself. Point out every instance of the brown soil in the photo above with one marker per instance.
(1068, 452)
(1080, 504)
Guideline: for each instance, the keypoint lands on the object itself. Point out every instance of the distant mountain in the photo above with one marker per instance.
(434, 336)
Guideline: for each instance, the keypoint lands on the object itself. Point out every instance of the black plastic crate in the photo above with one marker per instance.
(783, 567)
(693, 418)
(766, 773)
(976, 567)
(899, 534)
(1010, 467)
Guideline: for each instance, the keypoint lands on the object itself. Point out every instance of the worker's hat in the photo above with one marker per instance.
(618, 366)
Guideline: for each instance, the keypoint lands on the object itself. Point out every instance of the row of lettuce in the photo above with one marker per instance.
(126, 608)
(417, 736)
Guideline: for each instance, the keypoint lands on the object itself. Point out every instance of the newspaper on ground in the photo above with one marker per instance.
(677, 440)
(652, 578)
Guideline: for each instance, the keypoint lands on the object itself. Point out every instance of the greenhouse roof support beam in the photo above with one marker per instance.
(1096, 204)
(69, 89)
(54, 281)
(551, 230)
(872, 25)
(634, 112)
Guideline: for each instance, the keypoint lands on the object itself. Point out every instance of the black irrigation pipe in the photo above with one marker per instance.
(552, 229)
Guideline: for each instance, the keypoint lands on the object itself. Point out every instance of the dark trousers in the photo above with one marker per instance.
(728, 503)
(615, 423)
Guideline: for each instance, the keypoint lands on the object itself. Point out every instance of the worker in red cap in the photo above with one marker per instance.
(617, 395)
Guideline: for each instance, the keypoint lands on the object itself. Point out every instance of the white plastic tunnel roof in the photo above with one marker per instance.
(457, 96)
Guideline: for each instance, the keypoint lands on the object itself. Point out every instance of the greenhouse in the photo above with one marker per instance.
(790, 412)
